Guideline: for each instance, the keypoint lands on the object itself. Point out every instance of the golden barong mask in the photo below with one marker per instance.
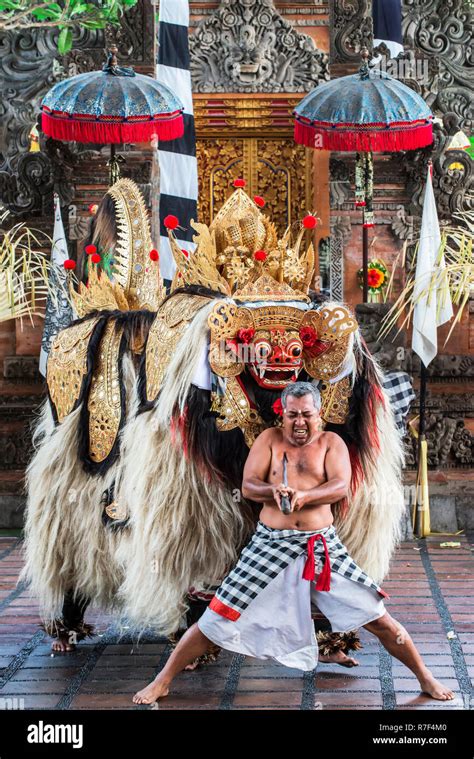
(276, 341)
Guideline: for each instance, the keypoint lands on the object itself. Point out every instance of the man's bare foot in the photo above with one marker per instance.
(339, 657)
(151, 693)
(62, 644)
(435, 689)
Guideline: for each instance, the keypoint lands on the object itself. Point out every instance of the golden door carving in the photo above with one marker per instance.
(275, 168)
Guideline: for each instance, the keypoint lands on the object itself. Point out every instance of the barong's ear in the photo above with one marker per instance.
(225, 321)
(332, 327)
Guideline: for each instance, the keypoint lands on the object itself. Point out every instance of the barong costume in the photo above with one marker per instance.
(263, 607)
(155, 400)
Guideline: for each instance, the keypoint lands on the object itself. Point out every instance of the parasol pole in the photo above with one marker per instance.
(365, 263)
(422, 525)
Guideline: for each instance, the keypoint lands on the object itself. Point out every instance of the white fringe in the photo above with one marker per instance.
(185, 529)
(66, 545)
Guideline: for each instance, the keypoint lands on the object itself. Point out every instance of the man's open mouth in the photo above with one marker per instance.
(266, 375)
(300, 432)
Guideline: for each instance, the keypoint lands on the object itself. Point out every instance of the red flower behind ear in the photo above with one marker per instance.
(278, 407)
(245, 335)
(308, 336)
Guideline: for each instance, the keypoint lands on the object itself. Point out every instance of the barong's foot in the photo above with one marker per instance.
(66, 637)
(339, 657)
(62, 644)
(149, 695)
(435, 689)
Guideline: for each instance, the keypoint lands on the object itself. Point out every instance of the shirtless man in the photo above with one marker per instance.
(319, 472)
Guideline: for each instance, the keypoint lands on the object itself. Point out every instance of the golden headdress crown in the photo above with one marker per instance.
(240, 255)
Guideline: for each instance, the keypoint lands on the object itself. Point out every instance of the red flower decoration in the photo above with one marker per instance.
(309, 221)
(260, 255)
(90, 250)
(278, 407)
(154, 255)
(239, 182)
(170, 221)
(92, 208)
(185, 252)
(245, 335)
(308, 336)
(259, 201)
(95, 258)
(70, 264)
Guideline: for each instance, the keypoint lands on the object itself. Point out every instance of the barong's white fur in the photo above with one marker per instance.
(186, 529)
(371, 529)
(66, 545)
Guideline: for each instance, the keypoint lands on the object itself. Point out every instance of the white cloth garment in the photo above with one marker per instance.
(278, 625)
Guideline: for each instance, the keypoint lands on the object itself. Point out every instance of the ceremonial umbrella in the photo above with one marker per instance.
(364, 112)
(114, 105)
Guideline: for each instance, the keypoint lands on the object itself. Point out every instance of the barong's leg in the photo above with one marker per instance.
(70, 628)
(399, 644)
(192, 645)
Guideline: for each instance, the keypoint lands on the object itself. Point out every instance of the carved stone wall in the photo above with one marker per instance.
(247, 46)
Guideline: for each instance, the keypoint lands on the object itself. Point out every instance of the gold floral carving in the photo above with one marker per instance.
(333, 324)
(335, 400)
(165, 332)
(235, 411)
(104, 403)
(67, 366)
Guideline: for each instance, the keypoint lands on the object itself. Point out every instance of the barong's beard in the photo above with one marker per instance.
(186, 524)
(66, 545)
(370, 524)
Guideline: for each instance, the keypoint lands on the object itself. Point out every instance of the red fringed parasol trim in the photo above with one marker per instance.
(368, 137)
(102, 132)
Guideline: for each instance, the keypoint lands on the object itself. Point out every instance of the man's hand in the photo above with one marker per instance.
(282, 490)
(297, 497)
(298, 500)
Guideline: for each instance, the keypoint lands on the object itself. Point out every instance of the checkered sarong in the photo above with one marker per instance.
(268, 553)
(400, 391)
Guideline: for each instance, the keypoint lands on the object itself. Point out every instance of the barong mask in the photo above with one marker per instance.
(266, 324)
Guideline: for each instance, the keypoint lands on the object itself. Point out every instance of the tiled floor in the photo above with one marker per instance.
(432, 593)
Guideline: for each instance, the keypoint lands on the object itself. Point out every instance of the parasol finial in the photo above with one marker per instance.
(364, 69)
(112, 67)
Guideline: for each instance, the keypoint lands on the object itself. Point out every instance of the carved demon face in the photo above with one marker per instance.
(276, 357)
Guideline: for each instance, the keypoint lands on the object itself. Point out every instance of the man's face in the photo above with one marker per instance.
(300, 419)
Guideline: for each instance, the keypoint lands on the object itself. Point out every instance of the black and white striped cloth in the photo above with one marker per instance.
(177, 159)
(387, 18)
(268, 553)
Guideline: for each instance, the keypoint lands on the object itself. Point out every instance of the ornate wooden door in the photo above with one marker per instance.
(275, 168)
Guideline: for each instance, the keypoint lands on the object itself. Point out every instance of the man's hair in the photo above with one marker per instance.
(300, 389)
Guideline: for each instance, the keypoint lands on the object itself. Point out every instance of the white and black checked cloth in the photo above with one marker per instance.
(400, 391)
(270, 551)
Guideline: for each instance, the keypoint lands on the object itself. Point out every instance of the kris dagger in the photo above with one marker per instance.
(284, 500)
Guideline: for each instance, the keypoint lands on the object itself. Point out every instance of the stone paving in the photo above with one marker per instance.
(432, 594)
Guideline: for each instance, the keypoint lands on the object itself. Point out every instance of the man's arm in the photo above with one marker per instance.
(254, 484)
(338, 471)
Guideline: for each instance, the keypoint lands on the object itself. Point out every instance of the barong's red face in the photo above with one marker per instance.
(300, 419)
(277, 357)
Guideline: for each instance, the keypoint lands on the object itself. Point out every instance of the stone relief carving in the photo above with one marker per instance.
(28, 68)
(442, 32)
(246, 46)
(351, 29)
(450, 444)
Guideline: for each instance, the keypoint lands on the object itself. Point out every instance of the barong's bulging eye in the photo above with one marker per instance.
(262, 350)
(294, 349)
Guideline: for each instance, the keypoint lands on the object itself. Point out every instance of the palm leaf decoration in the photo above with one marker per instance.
(24, 271)
(457, 246)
